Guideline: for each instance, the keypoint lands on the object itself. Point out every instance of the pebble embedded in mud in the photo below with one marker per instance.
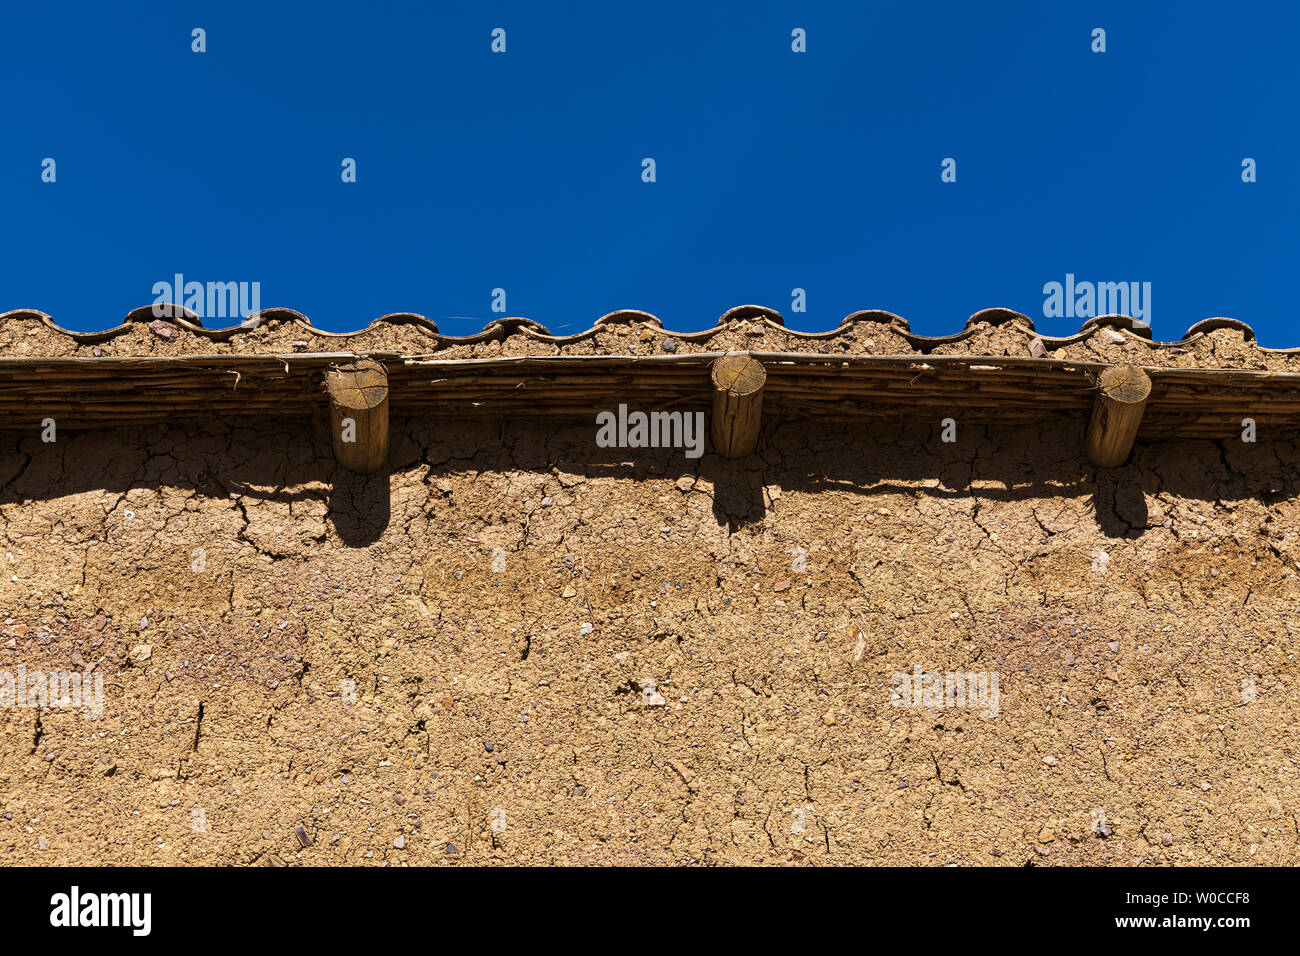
(650, 695)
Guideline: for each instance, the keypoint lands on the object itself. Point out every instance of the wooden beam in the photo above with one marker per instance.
(115, 390)
(737, 404)
(1121, 399)
(359, 414)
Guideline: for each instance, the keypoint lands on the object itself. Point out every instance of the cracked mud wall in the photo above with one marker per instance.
(343, 676)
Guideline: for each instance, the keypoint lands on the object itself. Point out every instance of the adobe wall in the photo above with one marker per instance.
(284, 644)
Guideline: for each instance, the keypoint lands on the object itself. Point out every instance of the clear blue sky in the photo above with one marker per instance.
(775, 169)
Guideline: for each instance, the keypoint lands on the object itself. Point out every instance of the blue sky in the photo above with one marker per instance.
(775, 170)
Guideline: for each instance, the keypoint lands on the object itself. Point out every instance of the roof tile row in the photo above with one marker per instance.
(1213, 342)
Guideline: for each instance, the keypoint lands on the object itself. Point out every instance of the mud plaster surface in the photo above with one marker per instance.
(1126, 672)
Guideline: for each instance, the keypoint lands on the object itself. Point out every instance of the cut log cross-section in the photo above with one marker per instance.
(737, 404)
(359, 415)
(1122, 394)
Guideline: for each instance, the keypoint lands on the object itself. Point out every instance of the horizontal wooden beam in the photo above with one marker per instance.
(104, 391)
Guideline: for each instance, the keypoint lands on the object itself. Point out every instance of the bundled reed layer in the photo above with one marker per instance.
(112, 390)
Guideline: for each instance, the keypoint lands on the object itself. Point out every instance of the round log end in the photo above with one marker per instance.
(1126, 384)
(360, 384)
(738, 375)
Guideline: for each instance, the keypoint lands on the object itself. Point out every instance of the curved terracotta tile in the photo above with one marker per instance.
(927, 342)
(999, 316)
(746, 313)
(876, 315)
(1219, 322)
(627, 317)
(514, 322)
(1127, 322)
